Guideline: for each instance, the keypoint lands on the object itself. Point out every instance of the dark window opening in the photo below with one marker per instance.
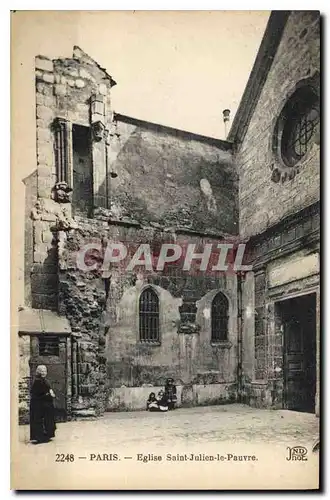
(82, 195)
(149, 316)
(49, 345)
(219, 315)
(301, 119)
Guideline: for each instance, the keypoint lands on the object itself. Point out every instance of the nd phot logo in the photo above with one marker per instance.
(298, 453)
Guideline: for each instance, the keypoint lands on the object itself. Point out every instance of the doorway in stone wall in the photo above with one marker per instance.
(298, 316)
(51, 351)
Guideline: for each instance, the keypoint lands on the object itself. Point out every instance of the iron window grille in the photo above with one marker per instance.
(149, 316)
(49, 345)
(301, 119)
(219, 315)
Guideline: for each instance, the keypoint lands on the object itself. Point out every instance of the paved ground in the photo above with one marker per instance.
(226, 430)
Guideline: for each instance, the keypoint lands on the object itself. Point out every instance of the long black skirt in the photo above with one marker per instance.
(42, 420)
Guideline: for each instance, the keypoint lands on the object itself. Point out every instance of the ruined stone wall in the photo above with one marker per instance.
(115, 370)
(172, 178)
(262, 202)
(64, 90)
(139, 171)
(147, 182)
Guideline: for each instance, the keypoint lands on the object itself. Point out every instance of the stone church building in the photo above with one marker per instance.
(111, 336)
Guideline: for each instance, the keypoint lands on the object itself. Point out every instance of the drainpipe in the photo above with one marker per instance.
(239, 338)
(107, 183)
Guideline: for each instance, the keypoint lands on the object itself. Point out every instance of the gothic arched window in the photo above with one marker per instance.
(219, 316)
(149, 316)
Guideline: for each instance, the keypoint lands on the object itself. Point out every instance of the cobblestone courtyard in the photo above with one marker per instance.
(232, 429)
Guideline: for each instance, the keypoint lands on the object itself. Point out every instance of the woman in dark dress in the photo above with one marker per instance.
(42, 421)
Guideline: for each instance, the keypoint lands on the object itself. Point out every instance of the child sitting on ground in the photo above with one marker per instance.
(152, 403)
(162, 403)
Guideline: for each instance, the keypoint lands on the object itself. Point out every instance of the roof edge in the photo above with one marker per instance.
(223, 144)
(262, 64)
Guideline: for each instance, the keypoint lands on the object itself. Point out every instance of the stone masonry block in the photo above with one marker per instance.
(47, 236)
(42, 123)
(40, 99)
(41, 248)
(49, 101)
(45, 113)
(44, 189)
(48, 78)
(39, 258)
(43, 160)
(44, 135)
(45, 182)
(72, 72)
(45, 155)
(49, 217)
(42, 224)
(103, 89)
(44, 89)
(80, 83)
(60, 89)
(85, 74)
(37, 233)
(44, 64)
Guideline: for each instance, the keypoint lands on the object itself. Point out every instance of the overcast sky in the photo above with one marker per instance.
(175, 68)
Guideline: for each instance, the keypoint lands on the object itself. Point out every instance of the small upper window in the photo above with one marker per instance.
(299, 121)
(48, 345)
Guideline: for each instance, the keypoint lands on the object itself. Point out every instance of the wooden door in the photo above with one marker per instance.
(299, 353)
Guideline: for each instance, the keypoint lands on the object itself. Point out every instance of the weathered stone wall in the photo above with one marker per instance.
(103, 311)
(263, 202)
(24, 378)
(286, 262)
(157, 181)
(280, 217)
(140, 171)
(172, 178)
(30, 201)
(82, 299)
(64, 88)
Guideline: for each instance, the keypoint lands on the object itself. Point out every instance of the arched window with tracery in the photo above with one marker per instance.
(219, 316)
(149, 316)
(300, 121)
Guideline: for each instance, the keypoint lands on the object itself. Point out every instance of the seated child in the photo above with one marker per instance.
(152, 403)
(162, 403)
